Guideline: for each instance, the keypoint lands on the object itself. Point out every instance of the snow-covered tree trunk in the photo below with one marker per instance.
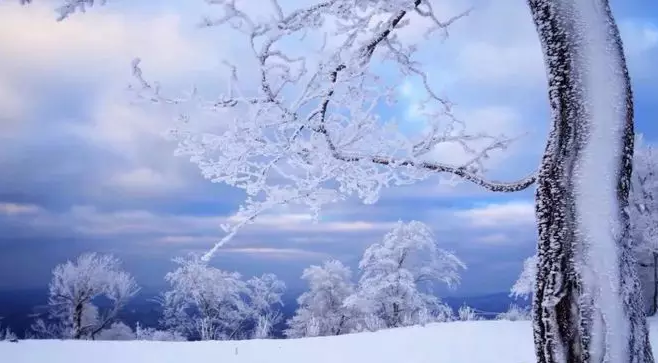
(587, 302)
(651, 288)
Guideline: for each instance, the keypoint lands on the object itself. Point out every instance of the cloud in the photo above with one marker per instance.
(492, 120)
(513, 213)
(12, 105)
(16, 209)
(495, 45)
(639, 36)
(490, 64)
(153, 227)
(276, 253)
(74, 74)
(495, 239)
(487, 224)
(100, 43)
(145, 181)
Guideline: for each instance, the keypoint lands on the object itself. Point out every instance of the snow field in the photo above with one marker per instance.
(455, 342)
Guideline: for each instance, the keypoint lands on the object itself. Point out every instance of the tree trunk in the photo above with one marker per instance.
(77, 321)
(587, 304)
(654, 301)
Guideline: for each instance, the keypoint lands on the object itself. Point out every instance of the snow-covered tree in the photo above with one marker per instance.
(264, 295)
(587, 301)
(75, 289)
(525, 284)
(398, 273)
(321, 309)
(204, 302)
(643, 200)
(207, 303)
(300, 129)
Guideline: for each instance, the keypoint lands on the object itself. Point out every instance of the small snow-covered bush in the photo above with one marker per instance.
(467, 313)
(157, 335)
(515, 313)
(121, 331)
(7, 334)
(117, 331)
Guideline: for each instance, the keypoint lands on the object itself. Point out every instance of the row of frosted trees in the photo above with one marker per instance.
(394, 289)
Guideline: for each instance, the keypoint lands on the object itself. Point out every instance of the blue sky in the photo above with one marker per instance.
(84, 170)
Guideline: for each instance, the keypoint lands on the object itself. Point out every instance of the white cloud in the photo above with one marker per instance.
(492, 120)
(492, 64)
(95, 51)
(144, 180)
(178, 228)
(17, 209)
(12, 106)
(509, 214)
(304, 223)
(494, 46)
(98, 43)
(639, 36)
(275, 253)
(120, 127)
(494, 239)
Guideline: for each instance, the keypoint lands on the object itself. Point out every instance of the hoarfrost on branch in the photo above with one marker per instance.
(305, 126)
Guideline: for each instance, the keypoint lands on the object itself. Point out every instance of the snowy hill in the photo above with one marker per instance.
(458, 342)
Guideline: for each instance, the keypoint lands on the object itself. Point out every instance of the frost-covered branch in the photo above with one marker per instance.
(69, 7)
(305, 124)
(302, 124)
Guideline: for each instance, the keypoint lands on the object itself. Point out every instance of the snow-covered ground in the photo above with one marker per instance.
(458, 342)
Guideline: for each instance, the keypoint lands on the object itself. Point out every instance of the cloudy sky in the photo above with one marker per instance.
(84, 169)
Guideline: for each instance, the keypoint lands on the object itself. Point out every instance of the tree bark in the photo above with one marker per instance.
(587, 304)
(654, 301)
(77, 321)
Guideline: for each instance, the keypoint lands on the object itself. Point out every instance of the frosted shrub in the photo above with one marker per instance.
(117, 331)
(157, 335)
(515, 313)
(467, 313)
(7, 334)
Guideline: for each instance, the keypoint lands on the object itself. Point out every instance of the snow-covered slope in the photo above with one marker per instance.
(459, 342)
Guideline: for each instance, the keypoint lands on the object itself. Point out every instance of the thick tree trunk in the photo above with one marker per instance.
(587, 302)
(654, 301)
